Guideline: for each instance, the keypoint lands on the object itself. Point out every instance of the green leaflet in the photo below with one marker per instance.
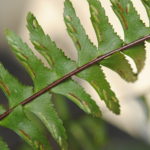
(99, 138)
(61, 66)
(3, 145)
(18, 122)
(146, 3)
(120, 65)
(61, 106)
(13, 89)
(108, 40)
(86, 52)
(134, 29)
(96, 78)
(44, 110)
(74, 91)
(38, 72)
(2, 109)
(54, 56)
(81, 135)
(88, 125)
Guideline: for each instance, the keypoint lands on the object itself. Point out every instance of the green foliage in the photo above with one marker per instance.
(108, 40)
(23, 120)
(86, 52)
(146, 3)
(127, 14)
(60, 65)
(3, 145)
(143, 100)
(2, 109)
(84, 131)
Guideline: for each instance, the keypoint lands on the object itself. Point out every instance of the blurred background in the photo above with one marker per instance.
(129, 130)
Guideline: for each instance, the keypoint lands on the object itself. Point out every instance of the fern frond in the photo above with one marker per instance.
(23, 119)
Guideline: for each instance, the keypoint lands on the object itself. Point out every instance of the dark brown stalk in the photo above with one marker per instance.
(55, 83)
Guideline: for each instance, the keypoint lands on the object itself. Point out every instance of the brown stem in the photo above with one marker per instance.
(55, 83)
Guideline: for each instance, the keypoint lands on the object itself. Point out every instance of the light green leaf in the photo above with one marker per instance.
(86, 52)
(2, 109)
(80, 137)
(108, 40)
(146, 3)
(42, 42)
(127, 14)
(33, 135)
(120, 65)
(62, 107)
(95, 76)
(76, 93)
(13, 89)
(38, 72)
(44, 110)
(3, 145)
(98, 138)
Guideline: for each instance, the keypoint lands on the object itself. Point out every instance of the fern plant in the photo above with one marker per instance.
(23, 118)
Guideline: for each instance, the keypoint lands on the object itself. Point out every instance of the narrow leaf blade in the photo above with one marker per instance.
(13, 89)
(18, 122)
(108, 40)
(45, 46)
(146, 3)
(127, 14)
(38, 72)
(76, 93)
(2, 109)
(86, 50)
(95, 76)
(47, 114)
(119, 64)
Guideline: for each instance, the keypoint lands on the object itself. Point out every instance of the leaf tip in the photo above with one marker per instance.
(7, 33)
(32, 22)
